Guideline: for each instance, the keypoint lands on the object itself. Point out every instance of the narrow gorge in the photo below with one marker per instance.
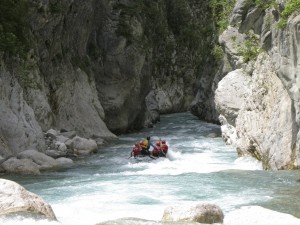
(84, 82)
(104, 68)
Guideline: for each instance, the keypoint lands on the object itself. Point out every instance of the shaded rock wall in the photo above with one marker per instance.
(89, 66)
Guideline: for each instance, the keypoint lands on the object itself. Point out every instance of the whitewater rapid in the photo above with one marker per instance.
(109, 188)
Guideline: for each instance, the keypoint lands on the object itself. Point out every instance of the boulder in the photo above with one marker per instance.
(42, 160)
(68, 134)
(14, 198)
(201, 213)
(53, 153)
(63, 162)
(21, 166)
(62, 138)
(83, 146)
(52, 134)
(61, 147)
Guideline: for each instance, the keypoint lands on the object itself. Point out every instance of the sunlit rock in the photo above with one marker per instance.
(14, 198)
(201, 213)
(231, 94)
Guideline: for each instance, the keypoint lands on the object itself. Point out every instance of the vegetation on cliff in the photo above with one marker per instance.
(290, 7)
(170, 27)
(13, 25)
(221, 12)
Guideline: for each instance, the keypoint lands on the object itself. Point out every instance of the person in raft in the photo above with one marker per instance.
(145, 145)
(160, 150)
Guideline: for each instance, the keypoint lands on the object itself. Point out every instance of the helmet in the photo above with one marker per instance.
(137, 144)
(148, 138)
(163, 142)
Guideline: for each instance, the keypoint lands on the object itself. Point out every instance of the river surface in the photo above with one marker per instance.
(107, 187)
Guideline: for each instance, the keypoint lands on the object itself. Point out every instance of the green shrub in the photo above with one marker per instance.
(264, 4)
(222, 11)
(217, 52)
(250, 49)
(290, 7)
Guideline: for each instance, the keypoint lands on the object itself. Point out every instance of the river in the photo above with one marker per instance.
(108, 186)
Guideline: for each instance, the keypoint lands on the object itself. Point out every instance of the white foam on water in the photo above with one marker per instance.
(90, 210)
(247, 163)
(122, 188)
(20, 220)
(199, 162)
(256, 215)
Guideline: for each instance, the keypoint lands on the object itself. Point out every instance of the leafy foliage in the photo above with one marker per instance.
(264, 4)
(250, 49)
(221, 11)
(217, 52)
(290, 7)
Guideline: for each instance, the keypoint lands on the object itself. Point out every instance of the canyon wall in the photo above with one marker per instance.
(258, 100)
(97, 67)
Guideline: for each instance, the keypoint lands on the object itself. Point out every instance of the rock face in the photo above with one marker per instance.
(14, 198)
(260, 116)
(19, 128)
(201, 213)
(227, 103)
(89, 66)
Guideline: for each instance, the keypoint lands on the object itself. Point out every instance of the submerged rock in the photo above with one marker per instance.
(201, 213)
(14, 198)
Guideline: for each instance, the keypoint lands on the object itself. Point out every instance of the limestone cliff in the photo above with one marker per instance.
(261, 117)
(96, 66)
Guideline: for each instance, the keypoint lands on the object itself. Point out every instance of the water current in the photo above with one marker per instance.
(107, 187)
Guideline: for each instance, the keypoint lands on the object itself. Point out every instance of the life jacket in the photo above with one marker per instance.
(164, 148)
(136, 151)
(144, 144)
(155, 152)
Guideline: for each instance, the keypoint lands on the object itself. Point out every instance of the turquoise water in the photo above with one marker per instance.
(108, 186)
